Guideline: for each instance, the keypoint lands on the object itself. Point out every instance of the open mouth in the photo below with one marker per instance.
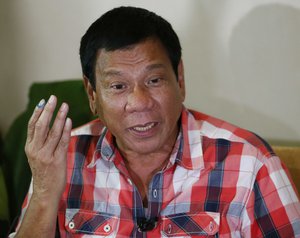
(144, 128)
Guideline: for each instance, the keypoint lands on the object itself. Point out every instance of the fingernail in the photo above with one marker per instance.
(63, 106)
(51, 99)
(68, 122)
(41, 104)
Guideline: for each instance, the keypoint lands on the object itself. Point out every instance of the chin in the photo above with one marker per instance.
(143, 148)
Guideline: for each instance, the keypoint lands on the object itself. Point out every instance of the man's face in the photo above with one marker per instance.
(138, 97)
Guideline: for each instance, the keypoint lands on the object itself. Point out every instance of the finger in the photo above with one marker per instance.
(42, 125)
(56, 131)
(63, 144)
(34, 117)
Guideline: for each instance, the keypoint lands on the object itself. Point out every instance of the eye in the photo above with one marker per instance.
(118, 86)
(154, 81)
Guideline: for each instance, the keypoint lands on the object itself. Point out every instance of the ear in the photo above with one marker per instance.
(181, 82)
(91, 93)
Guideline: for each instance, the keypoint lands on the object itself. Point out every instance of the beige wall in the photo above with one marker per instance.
(242, 57)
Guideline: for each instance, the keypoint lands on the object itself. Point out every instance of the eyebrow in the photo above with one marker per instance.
(155, 66)
(112, 72)
(115, 72)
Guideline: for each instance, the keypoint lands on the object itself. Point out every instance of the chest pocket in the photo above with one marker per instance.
(203, 224)
(92, 223)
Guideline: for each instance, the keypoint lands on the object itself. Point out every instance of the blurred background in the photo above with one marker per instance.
(242, 58)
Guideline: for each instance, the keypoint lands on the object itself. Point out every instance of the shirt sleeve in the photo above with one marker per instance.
(273, 208)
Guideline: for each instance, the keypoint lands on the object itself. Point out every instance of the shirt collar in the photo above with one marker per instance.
(187, 151)
(105, 148)
(190, 154)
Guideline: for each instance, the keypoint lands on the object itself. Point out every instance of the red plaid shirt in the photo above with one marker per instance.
(221, 181)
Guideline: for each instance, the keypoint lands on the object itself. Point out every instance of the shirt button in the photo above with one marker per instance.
(107, 228)
(169, 229)
(129, 181)
(154, 193)
(71, 225)
(211, 226)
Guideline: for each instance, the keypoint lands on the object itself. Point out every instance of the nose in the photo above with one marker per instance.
(139, 100)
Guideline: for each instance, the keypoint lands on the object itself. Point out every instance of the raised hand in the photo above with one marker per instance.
(46, 149)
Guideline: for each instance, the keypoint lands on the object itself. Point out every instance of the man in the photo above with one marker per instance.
(148, 167)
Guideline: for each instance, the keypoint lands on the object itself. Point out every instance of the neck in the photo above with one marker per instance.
(143, 166)
(150, 161)
(142, 170)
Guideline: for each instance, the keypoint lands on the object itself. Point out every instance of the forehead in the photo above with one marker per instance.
(150, 50)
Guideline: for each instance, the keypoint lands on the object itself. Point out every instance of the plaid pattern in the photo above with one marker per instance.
(221, 181)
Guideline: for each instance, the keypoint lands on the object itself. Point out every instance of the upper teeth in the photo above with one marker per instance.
(144, 128)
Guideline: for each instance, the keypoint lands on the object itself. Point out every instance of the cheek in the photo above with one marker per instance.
(109, 110)
(173, 106)
(172, 100)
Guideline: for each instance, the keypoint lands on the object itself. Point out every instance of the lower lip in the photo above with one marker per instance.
(144, 134)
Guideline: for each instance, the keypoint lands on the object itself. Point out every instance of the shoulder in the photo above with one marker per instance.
(86, 136)
(83, 143)
(92, 128)
(215, 129)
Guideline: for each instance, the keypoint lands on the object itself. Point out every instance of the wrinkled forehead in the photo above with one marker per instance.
(137, 60)
(150, 50)
(153, 40)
